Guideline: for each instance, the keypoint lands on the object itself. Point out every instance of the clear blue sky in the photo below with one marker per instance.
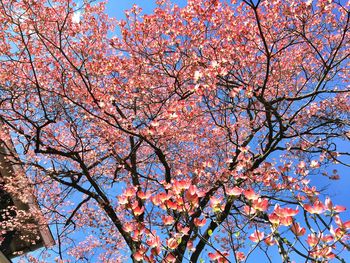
(116, 8)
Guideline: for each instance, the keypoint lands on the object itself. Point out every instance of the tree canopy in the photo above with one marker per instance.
(192, 135)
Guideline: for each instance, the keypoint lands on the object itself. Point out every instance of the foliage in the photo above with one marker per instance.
(193, 134)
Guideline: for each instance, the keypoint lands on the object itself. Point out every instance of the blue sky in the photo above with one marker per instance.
(115, 8)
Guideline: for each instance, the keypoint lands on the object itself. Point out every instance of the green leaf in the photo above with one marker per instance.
(210, 232)
(216, 209)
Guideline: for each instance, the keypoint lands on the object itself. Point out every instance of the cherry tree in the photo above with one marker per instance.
(190, 136)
